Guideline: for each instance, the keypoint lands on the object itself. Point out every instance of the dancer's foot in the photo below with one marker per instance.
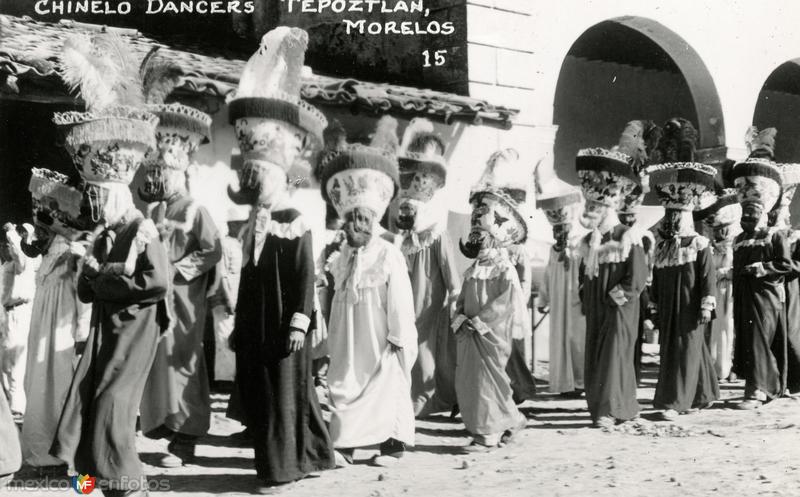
(478, 448)
(749, 404)
(385, 461)
(669, 415)
(264, 487)
(605, 422)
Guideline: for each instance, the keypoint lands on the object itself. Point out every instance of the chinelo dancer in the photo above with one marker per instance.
(613, 276)
(723, 218)
(176, 402)
(761, 261)
(780, 218)
(490, 313)
(276, 288)
(684, 280)
(61, 321)
(429, 254)
(560, 290)
(372, 337)
(124, 274)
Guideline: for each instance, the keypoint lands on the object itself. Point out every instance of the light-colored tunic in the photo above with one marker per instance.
(560, 292)
(491, 300)
(59, 320)
(722, 335)
(370, 384)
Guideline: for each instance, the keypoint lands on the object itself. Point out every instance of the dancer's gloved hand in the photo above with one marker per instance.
(295, 341)
(91, 268)
(705, 316)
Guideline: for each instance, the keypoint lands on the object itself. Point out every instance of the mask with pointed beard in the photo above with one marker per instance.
(358, 226)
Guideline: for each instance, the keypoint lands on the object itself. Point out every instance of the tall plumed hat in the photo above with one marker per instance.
(181, 129)
(790, 178)
(423, 169)
(266, 110)
(609, 175)
(107, 142)
(724, 211)
(503, 182)
(680, 181)
(56, 204)
(555, 197)
(354, 175)
(758, 178)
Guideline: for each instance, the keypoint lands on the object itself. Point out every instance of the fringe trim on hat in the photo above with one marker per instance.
(666, 169)
(87, 128)
(790, 174)
(284, 108)
(183, 117)
(612, 162)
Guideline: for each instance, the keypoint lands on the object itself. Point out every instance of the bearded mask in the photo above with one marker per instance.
(752, 217)
(593, 214)
(358, 226)
(561, 236)
(494, 223)
(416, 191)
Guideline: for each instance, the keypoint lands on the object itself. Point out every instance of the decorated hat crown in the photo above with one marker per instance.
(680, 181)
(269, 86)
(505, 180)
(355, 175)
(758, 179)
(107, 142)
(53, 198)
(423, 168)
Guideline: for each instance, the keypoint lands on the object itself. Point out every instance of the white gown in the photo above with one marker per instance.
(59, 320)
(370, 385)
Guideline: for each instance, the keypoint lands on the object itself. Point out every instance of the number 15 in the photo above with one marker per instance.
(438, 58)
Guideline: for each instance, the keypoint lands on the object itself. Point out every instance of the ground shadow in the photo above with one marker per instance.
(442, 432)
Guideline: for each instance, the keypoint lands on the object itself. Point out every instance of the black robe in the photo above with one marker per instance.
(758, 310)
(686, 377)
(97, 431)
(275, 388)
(793, 316)
(611, 329)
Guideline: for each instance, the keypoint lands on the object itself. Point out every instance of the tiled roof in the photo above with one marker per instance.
(28, 50)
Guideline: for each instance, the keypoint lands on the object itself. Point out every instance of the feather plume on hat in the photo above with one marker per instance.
(102, 70)
(417, 127)
(159, 77)
(276, 67)
(385, 136)
(760, 144)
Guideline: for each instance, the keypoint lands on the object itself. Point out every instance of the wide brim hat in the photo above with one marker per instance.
(725, 210)
(606, 175)
(280, 107)
(557, 199)
(182, 117)
(109, 146)
(54, 197)
(421, 156)
(758, 180)
(681, 185)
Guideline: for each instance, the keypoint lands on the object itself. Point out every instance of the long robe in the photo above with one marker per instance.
(560, 292)
(684, 283)
(722, 330)
(492, 300)
(10, 456)
(229, 269)
(523, 384)
(372, 309)
(793, 316)
(610, 297)
(177, 393)
(275, 388)
(648, 243)
(96, 434)
(59, 321)
(434, 282)
(758, 310)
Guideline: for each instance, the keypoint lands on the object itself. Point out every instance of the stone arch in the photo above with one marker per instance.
(778, 106)
(631, 68)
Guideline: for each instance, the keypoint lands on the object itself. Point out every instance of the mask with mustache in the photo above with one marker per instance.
(358, 226)
(593, 215)
(260, 183)
(751, 217)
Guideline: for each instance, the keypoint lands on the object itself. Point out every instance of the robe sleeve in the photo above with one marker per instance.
(209, 248)
(447, 265)
(633, 280)
(458, 315)
(708, 280)
(781, 262)
(148, 284)
(505, 314)
(305, 276)
(400, 304)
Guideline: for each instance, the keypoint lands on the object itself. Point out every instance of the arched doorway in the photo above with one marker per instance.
(778, 106)
(631, 68)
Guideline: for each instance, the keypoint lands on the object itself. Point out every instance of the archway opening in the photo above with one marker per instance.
(778, 106)
(631, 68)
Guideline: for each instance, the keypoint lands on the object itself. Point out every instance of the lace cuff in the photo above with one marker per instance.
(480, 326)
(617, 294)
(300, 321)
(457, 322)
(708, 303)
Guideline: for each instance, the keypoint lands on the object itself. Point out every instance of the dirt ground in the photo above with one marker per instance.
(721, 451)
